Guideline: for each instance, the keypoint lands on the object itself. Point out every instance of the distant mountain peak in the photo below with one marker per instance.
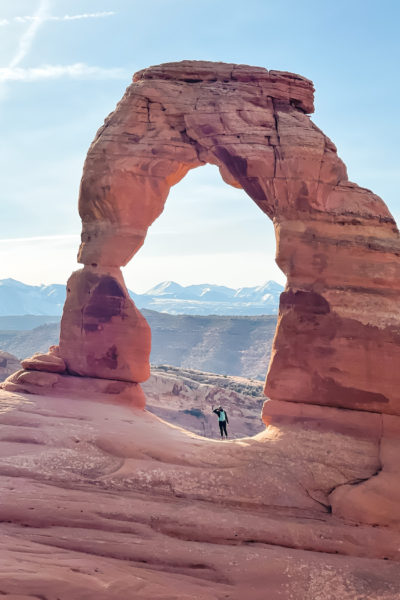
(164, 287)
(13, 282)
(271, 285)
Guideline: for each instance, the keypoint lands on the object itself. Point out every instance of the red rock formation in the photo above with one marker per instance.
(337, 340)
(337, 343)
(50, 362)
(102, 333)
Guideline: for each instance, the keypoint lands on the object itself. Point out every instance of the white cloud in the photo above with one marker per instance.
(13, 72)
(45, 17)
(74, 71)
(96, 15)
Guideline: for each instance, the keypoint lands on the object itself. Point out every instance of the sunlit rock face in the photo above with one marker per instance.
(106, 502)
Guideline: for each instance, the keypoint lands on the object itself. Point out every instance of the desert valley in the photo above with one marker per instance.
(235, 349)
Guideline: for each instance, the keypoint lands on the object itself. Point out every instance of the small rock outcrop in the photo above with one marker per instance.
(50, 362)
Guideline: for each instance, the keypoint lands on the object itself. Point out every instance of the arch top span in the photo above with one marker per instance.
(280, 85)
(248, 121)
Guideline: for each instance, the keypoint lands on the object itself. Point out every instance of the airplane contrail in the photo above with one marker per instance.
(27, 38)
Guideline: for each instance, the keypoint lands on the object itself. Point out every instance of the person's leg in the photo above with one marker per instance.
(224, 426)
(221, 424)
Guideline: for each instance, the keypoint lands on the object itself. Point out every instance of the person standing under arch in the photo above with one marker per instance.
(222, 420)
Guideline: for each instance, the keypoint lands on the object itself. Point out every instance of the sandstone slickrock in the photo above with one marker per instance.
(60, 384)
(109, 502)
(334, 385)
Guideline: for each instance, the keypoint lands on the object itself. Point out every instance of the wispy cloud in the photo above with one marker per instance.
(28, 36)
(73, 71)
(35, 18)
(13, 72)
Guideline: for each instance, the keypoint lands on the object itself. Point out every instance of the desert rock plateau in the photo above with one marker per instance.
(103, 500)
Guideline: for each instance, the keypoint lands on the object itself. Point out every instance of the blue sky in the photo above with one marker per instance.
(65, 64)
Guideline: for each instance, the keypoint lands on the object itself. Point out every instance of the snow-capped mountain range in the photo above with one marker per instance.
(17, 298)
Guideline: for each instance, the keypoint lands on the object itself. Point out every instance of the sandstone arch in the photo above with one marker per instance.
(337, 340)
(338, 337)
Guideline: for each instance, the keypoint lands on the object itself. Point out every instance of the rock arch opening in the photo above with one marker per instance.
(208, 233)
(209, 347)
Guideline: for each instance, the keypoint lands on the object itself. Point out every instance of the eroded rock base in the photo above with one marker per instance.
(64, 385)
(375, 499)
